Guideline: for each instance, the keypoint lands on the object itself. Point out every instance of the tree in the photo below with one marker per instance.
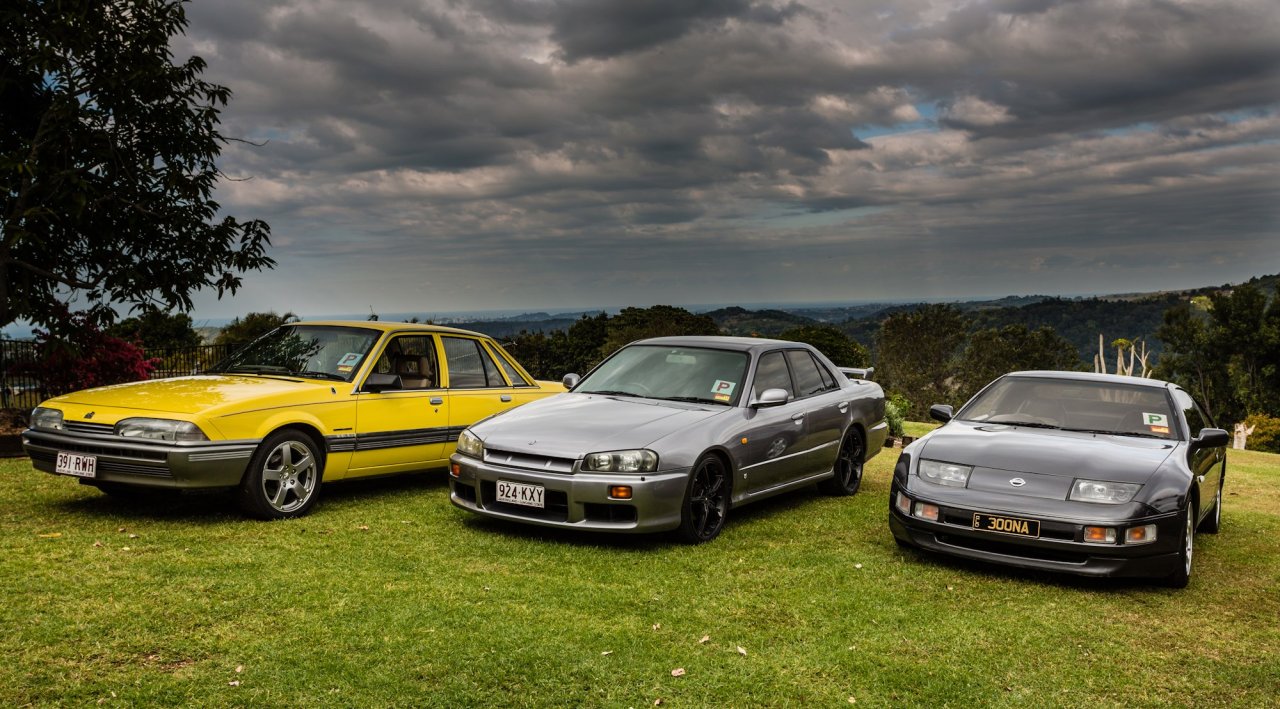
(158, 330)
(994, 352)
(244, 330)
(917, 355)
(107, 164)
(1226, 353)
(551, 355)
(841, 349)
(659, 321)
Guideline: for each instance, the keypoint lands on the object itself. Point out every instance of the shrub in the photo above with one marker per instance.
(1266, 433)
(86, 357)
(895, 412)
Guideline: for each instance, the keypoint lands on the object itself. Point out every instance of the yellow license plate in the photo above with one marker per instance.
(1007, 525)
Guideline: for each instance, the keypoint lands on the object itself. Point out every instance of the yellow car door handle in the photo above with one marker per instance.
(436, 401)
(505, 397)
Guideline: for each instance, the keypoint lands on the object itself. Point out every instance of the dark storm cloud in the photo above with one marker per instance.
(430, 136)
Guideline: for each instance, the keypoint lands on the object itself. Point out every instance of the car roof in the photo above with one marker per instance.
(741, 344)
(1093, 377)
(384, 326)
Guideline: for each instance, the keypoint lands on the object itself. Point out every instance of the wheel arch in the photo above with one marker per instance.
(305, 429)
(727, 460)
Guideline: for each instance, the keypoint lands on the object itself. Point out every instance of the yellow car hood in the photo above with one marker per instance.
(209, 395)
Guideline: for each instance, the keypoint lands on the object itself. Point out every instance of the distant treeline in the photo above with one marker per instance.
(1221, 344)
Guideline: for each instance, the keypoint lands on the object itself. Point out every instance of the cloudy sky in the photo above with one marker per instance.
(423, 155)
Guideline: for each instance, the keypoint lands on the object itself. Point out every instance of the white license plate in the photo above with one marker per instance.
(521, 494)
(81, 466)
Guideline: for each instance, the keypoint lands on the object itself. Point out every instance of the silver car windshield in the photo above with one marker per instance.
(309, 351)
(1075, 405)
(693, 374)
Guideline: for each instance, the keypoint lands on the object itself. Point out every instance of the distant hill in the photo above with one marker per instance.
(1079, 320)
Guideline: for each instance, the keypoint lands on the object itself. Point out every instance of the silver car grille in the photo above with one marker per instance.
(526, 461)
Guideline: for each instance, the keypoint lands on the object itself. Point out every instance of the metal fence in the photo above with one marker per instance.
(21, 387)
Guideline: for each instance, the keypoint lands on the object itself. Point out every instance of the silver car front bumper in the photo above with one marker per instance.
(573, 500)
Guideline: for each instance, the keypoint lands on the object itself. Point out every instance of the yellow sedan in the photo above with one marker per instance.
(305, 403)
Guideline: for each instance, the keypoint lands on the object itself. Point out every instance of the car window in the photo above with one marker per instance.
(312, 351)
(469, 365)
(513, 374)
(413, 359)
(1075, 404)
(828, 382)
(805, 370)
(772, 373)
(1195, 418)
(696, 374)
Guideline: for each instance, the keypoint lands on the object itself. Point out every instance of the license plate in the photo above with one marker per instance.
(1007, 525)
(81, 466)
(521, 494)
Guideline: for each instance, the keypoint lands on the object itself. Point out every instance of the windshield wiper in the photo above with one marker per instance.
(614, 392)
(251, 369)
(1028, 424)
(319, 375)
(692, 400)
(1135, 434)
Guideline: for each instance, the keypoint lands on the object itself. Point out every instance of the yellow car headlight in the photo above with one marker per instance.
(160, 430)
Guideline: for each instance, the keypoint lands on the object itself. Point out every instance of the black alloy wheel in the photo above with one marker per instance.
(706, 501)
(848, 467)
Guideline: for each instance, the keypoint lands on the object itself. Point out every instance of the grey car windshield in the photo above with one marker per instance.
(1075, 405)
(694, 374)
(309, 351)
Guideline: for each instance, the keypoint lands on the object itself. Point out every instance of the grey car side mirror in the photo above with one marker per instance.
(771, 397)
(570, 380)
(941, 412)
(1210, 438)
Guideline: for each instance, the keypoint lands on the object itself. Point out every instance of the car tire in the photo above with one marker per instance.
(706, 501)
(848, 466)
(1181, 576)
(1213, 522)
(283, 479)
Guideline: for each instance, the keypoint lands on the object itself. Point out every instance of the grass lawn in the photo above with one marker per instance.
(386, 595)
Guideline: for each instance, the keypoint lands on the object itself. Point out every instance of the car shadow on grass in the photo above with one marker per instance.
(218, 506)
(214, 507)
(739, 521)
(992, 572)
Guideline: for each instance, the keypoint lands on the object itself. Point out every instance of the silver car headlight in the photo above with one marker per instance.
(470, 444)
(160, 430)
(1107, 493)
(634, 461)
(46, 419)
(941, 473)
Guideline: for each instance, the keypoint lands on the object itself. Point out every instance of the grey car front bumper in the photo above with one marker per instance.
(573, 500)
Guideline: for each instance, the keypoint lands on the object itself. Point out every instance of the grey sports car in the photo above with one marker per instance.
(670, 433)
(1090, 474)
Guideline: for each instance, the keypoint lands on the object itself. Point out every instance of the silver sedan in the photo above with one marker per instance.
(669, 434)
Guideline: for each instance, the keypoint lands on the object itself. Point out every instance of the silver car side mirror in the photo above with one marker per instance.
(771, 397)
(570, 380)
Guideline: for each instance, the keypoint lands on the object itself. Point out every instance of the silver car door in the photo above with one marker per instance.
(769, 448)
(824, 417)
